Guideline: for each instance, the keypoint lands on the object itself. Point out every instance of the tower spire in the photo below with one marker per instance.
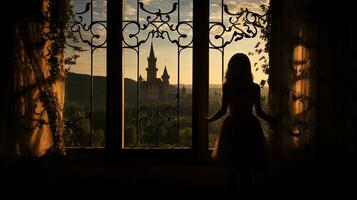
(151, 69)
(165, 77)
(165, 74)
(152, 53)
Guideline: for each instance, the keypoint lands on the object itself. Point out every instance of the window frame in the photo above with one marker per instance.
(115, 91)
(115, 84)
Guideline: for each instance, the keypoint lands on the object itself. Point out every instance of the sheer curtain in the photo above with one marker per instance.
(292, 75)
(33, 126)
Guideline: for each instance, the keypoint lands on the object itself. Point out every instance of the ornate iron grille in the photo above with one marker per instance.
(158, 120)
(240, 25)
(90, 32)
(231, 23)
(160, 25)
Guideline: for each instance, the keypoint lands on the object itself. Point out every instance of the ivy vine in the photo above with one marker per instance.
(265, 36)
(54, 32)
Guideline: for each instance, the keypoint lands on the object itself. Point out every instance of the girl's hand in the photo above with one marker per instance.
(207, 119)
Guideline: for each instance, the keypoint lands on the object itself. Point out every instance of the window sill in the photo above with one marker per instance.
(150, 156)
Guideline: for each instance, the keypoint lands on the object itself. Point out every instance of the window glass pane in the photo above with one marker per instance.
(85, 104)
(236, 27)
(157, 65)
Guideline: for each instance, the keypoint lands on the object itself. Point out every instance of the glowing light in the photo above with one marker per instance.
(302, 89)
(301, 59)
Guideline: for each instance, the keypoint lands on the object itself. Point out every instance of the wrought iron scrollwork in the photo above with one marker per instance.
(243, 24)
(156, 121)
(92, 34)
(159, 25)
(89, 33)
(157, 126)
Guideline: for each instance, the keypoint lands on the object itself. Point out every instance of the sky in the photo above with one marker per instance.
(166, 52)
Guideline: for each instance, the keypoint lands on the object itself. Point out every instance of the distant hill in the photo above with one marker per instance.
(78, 89)
(130, 89)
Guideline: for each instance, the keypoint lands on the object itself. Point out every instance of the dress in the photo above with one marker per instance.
(241, 141)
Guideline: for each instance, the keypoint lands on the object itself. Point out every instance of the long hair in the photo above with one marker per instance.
(239, 71)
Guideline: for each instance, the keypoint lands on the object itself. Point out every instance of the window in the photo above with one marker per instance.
(85, 101)
(236, 26)
(157, 63)
(162, 64)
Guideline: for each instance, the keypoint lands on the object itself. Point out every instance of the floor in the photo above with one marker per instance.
(178, 179)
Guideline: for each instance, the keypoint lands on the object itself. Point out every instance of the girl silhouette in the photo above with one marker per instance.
(240, 144)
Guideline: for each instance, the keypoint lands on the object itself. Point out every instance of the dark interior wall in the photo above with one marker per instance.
(336, 86)
(5, 57)
(13, 13)
(336, 79)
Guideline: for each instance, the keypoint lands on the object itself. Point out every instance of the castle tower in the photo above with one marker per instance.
(151, 69)
(140, 79)
(165, 78)
(183, 92)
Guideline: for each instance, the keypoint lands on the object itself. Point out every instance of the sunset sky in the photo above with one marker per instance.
(165, 51)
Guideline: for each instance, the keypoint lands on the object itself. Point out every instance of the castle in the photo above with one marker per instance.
(154, 88)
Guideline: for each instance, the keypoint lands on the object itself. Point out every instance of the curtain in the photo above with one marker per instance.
(36, 96)
(292, 76)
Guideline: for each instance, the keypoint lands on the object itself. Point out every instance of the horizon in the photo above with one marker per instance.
(181, 84)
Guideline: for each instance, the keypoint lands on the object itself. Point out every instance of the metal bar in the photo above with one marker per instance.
(178, 96)
(200, 77)
(137, 97)
(115, 89)
(137, 81)
(178, 82)
(91, 83)
(222, 52)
